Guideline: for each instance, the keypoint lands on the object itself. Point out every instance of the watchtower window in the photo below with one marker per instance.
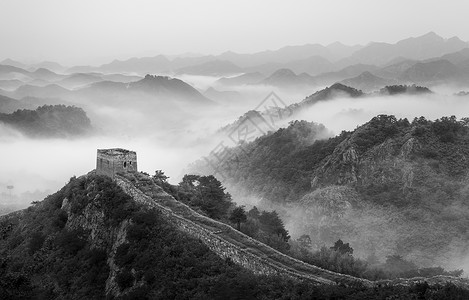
(125, 164)
(130, 163)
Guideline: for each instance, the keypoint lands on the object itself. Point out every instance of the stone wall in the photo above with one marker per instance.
(235, 248)
(253, 255)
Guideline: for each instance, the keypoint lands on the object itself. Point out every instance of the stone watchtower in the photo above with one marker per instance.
(112, 161)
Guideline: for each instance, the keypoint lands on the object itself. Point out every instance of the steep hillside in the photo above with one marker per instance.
(91, 240)
(388, 187)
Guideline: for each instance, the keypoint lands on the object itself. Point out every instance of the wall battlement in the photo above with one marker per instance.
(116, 160)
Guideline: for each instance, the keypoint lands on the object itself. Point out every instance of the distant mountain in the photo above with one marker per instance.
(8, 72)
(286, 78)
(433, 72)
(313, 65)
(187, 61)
(225, 97)
(38, 82)
(286, 54)
(80, 69)
(367, 82)
(404, 89)
(418, 48)
(14, 63)
(464, 66)
(78, 80)
(329, 78)
(339, 50)
(163, 88)
(164, 85)
(50, 65)
(145, 65)
(261, 121)
(246, 78)
(334, 91)
(259, 61)
(49, 121)
(46, 74)
(120, 77)
(49, 91)
(9, 105)
(10, 85)
(212, 68)
(55, 67)
(395, 70)
(455, 58)
(396, 60)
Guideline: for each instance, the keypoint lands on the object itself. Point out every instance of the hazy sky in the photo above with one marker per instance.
(97, 31)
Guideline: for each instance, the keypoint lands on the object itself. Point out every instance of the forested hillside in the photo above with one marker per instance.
(390, 187)
(49, 121)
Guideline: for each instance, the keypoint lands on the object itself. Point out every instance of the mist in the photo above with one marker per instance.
(348, 113)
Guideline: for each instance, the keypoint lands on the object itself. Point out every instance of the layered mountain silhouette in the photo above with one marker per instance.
(9, 105)
(368, 82)
(434, 72)
(327, 64)
(288, 79)
(157, 87)
(418, 48)
(222, 96)
(247, 78)
(212, 68)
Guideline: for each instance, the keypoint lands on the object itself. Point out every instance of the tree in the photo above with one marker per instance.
(160, 176)
(207, 193)
(254, 213)
(342, 248)
(305, 241)
(272, 224)
(238, 216)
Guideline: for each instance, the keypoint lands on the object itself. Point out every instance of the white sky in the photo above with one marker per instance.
(98, 31)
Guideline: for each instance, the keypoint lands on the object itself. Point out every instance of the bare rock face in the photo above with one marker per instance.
(390, 161)
(340, 168)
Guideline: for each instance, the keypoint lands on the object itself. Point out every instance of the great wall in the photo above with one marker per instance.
(228, 243)
(221, 238)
